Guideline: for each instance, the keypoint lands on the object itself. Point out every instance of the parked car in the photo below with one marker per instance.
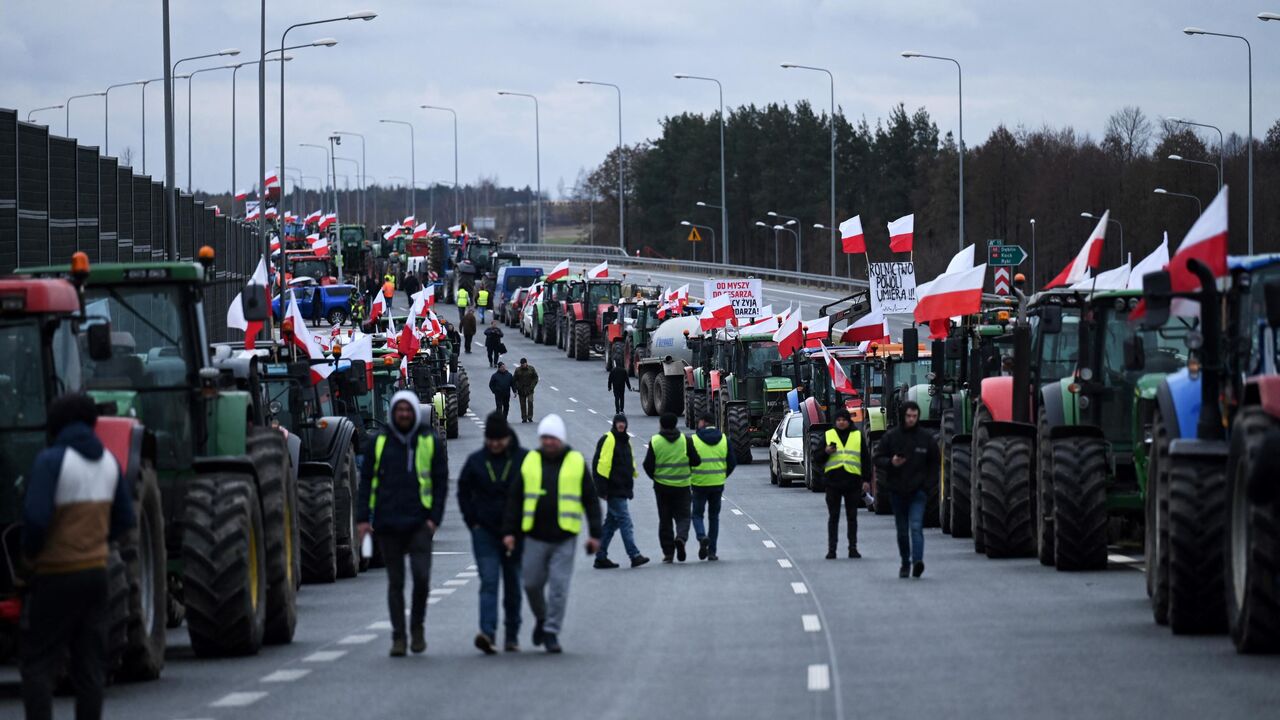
(786, 451)
(511, 311)
(510, 279)
(330, 303)
(529, 311)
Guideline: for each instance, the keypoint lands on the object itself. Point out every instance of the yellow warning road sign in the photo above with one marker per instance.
(694, 236)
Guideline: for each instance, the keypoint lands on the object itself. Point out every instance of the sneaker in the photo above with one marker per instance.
(419, 643)
(484, 644)
(553, 644)
(511, 646)
(904, 571)
(605, 563)
(703, 544)
(680, 554)
(712, 557)
(639, 560)
(853, 553)
(397, 647)
(666, 559)
(539, 636)
(918, 569)
(831, 554)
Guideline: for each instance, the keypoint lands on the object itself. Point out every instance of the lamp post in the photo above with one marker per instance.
(170, 150)
(796, 235)
(797, 232)
(234, 70)
(537, 141)
(404, 183)
(328, 169)
(621, 231)
(106, 115)
(724, 214)
(357, 165)
(67, 105)
(1249, 49)
(1033, 254)
(712, 253)
(46, 107)
(144, 116)
(832, 78)
(708, 228)
(835, 233)
(457, 213)
(363, 184)
(776, 265)
(1216, 168)
(1222, 148)
(960, 123)
(1091, 216)
(1199, 206)
(413, 166)
(190, 90)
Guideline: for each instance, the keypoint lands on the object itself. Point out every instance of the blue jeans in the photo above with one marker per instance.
(908, 514)
(493, 564)
(708, 499)
(617, 518)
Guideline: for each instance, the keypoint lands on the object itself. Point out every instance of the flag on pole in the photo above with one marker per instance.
(242, 194)
(321, 246)
(251, 211)
(851, 237)
(902, 233)
(455, 230)
(1087, 259)
(235, 314)
(361, 349)
(271, 181)
(328, 220)
(272, 213)
(420, 231)
(560, 271)
(962, 260)
(409, 221)
(950, 294)
(871, 326)
(1206, 241)
(1115, 279)
(717, 313)
(275, 244)
(763, 325)
(392, 232)
(599, 271)
(299, 335)
(789, 336)
(313, 217)
(839, 380)
(377, 307)
(817, 331)
(1149, 264)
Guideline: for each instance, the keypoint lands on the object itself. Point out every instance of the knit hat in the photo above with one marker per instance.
(667, 421)
(843, 413)
(553, 426)
(619, 418)
(496, 427)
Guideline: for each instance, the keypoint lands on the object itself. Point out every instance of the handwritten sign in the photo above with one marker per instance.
(893, 288)
(747, 296)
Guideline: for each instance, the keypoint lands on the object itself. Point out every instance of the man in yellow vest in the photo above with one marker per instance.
(669, 460)
(482, 300)
(403, 486)
(844, 457)
(707, 480)
(464, 299)
(546, 508)
(615, 468)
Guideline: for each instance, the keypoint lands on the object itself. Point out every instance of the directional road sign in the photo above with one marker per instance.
(1001, 255)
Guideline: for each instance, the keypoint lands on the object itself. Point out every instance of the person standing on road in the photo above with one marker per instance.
(845, 456)
(388, 290)
(546, 508)
(483, 486)
(668, 462)
(411, 285)
(615, 469)
(468, 324)
(526, 379)
(482, 301)
(493, 343)
(619, 383)
(500, 385)
(906, 457)
(463, 299)
(403, 485)
(75, 505)
(707, 480)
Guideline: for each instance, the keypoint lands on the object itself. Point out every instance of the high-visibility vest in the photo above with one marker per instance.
(670, 461)
(463, 297)
(569, 509)
(421, 462)
(482, 298)
(848, 455)
(604, 467)
(388, 289)
(714, 468)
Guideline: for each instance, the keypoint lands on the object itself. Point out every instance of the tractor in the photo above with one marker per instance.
(741, 380)
(479, 260)
(546, 311)
(628, 334)
(588, 308)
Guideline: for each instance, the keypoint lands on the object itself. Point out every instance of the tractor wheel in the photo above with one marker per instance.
(315, 525)
(143, 554)
(581, 341)
(549, 331)
(670, 392)
(537, 333)
(946, 431)
(463, 382)
(1044, 491)
(1253, 539)
(738, 423)
(1080, 504)
(344, 516)
(270, 455)
(336, 316)
(1155, 544)
(562, 331)
(646, 394)
(615, 355)
(224, 555)
(1006, 497)
(1197, 603)
(117, 616)
(690, 417)
(980, 438)
(451, 414)
(960, 487)
(813, 446)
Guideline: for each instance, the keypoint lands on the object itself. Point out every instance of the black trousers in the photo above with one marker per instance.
(851, 493)
(619, 401)
(416, 545)
(674, 509)
(65, 613)
(502, 405)
(494, 356)
(466, 340)
(526, 407)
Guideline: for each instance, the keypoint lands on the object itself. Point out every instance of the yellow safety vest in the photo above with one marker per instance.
(463, 297)
(482, 298)
(848, 455)
(714, 468)
(604, 467)
(421, 461)
(670, 461)
(569, 509)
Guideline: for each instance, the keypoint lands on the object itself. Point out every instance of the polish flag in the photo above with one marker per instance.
(422, 301)
(295, 327)
(560, 271)
(764, 312)
(361, 349)
(764, 325)
(717, 313)
(901, 233)
(455, 230)
(950, 294)
(420, 231)
(313, 217)
(1206, 241)
(1149, 264)
(242, 194)
(938, 329)
(235, 315)
(839, 380)
(392, 232)
(407, 343)
(598, 272)
(251, 211)
(789, 336)
(962, 260)
(275, 244)
(817, 331)
(409, 221)
(313, 238)
(328, 220)
(321, 247)
(378, 306)
(1116, 279)
(290, 217)
(872, 326)
(271, 181)
(851, 237)
(1085, 260)
(272, 213)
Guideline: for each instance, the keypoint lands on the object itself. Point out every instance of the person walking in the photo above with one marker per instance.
(483, 485)
(668, 462)
(75, 505)
(619, 383)
(482, 301)
(615, 468)
(468, 324)
(388, 290)
(546, 508)
(707, 480)
(463, 298)
(906, 457)
(404, 482)
(844, 455)
(411, 285)
(493, 345)
(526, 379)
(500, 385)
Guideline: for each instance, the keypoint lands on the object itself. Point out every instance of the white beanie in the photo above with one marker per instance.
(553, 426)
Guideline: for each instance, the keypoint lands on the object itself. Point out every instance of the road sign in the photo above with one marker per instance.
(694, 235)
(1001, 255)
(1002, 284)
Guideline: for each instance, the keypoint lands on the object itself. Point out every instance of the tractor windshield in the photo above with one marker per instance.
(603, 293)
(1059, 352)
(1163, 351)
(352, 235)
(1252, 323)
(22, 387)
(760, 357)
(911, 374)
(309, 267)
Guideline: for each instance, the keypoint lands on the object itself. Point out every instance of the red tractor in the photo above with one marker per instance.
(590, 306)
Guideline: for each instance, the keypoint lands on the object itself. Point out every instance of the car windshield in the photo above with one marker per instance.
(603, 293)
(311, 267)
(149, 344)
(22, 389)
(760, 358)
(519, 281)
(795, 426)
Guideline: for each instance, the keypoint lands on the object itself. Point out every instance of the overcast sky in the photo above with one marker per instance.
(1026, 63)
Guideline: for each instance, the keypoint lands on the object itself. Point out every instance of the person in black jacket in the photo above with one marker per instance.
(671, 486)
(493, 343)
(403, 509)
(619, 383)
(842, 485)
(500, 385)
(483, 487)
(906, 458)
(615, 468)
(411, 284)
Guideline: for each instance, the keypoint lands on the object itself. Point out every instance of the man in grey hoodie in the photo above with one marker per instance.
(708, 483)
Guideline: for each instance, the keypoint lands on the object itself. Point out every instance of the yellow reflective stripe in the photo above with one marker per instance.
(848, 455)
(569, 507)
(714, 465)
(422, 465)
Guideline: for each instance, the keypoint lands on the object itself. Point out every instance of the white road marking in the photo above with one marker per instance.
(454, 583)
(324, 656)
(1129, 562)
(280, 676)
(819, 677)
(357, 639)
(593, 412)
(380, 625)
(735, 511)
(811, 623)
(553, 387)
(769, 544)
(433, 600)
(471, 567)
(468, 574)
(631, 434)
(784, 563)
(568, 409)
(799, 588)
(238, 699)
(443, 591)
(573, 399)
(753, 526)
(449, 552)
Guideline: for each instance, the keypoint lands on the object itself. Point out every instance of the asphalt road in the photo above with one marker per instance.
(771, 631)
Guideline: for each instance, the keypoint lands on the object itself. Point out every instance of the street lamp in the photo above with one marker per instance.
(1091, 216)
(537, 141)
(364, 185)
(1179, 158)
(1222, 148)
(106, 116)
(776, 265)
(144, 115)
(456, 211)
(832, 78)
(709, 229)
(835, 233)
(404, 182)
(1162, 191)
(190, 90)
(234, 70)
(1249, 48)
(170, 150)
(781, 228)
(46, 107)
(413, 166)
(358, 166)
(960, 85)
(799, 235)
(67, 105)
(724, 213)
(621, 226)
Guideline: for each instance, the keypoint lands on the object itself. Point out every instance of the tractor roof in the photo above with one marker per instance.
(111, 273)
(30, 296)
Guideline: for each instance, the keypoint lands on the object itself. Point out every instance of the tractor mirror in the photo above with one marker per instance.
(359, 377)
(1135, 355)
(1051, 319)
(954, 349)
(1157, 291)
(910, 344)
(937, 355)
(253, 303)
(99, 341)
(1271, 297)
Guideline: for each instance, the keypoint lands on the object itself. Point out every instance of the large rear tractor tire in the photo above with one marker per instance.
(224, 556)
(1155, 546)
(581, 341)
(315, 523)
(1253, 538)
(1197, 603)
(738, 424)
(537, 332)
(980, 438)
(344, 521)
(269, 452)
(1006, 497)
(647, 403)
(1044, 491)
(145, 560)
(562, 332)
(947, 430)
(1080, 504)
(549, 336)
(463, 383)
(959, 486)
(451, 413)
(670, 394)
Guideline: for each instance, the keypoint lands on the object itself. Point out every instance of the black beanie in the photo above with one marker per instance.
(496, 427)
(667, 421)
(620, 418)
(842, 413)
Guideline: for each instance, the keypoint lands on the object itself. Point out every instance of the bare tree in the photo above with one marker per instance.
(126, 157)
(1129, 133)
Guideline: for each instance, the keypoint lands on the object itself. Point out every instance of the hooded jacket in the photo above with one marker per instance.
(711, 436)
(500, 383)
(650, 463)
(619, 380)
(469, 323)
(546, 523)
(399, 508)
(622, 480)
(919, 446)
(485, 482)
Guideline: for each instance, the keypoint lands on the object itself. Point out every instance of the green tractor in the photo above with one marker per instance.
(629, 333)
(747, 389)
(546, 322)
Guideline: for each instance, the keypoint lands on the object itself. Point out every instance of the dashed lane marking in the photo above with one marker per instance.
(324, 656)
(568, 409)
(553, 387)
(238, 699)
(754, 527)
(472, 567)
(819, 677)
(433, 600)
(573, 399)
(631, 434)
(735, 511)
(799, 588)
(281, 676)
(449, 552)
(593, 412)
(811, 623)
(357, 639)
(769, 544)
(454, 583)
(468, 574)
(784, 563)
(380, 625)
(443, 591)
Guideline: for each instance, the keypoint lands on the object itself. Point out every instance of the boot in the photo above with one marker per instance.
(419, 642)
(853, 552)
(831, 553)
(905, 570)
(397, 647)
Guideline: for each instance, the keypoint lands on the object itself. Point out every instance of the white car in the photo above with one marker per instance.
(786, 451)
(528, 311)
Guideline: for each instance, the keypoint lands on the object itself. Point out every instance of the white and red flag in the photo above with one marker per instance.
(1206, 241)
(599, 271)
(409, 221)
(789, 336)
(272, 213)
(420, 231)
(361, 349)
(765, 324)
(275, 244)
(393, 231)
(251, 210)
(302, 337)
(950, 294)
(242, 194)
(851, 237)
(321, 246)
(839, 380)
(872, 326)
(271, 181)
(407, 343)
(817, 331)
(328, 220)
(558, 272)
(313, 217)
(455, 230)
(902, 233)
(717, 313)
(1149, 264)
(235, 314)
(1085, 260)
(377, 307)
